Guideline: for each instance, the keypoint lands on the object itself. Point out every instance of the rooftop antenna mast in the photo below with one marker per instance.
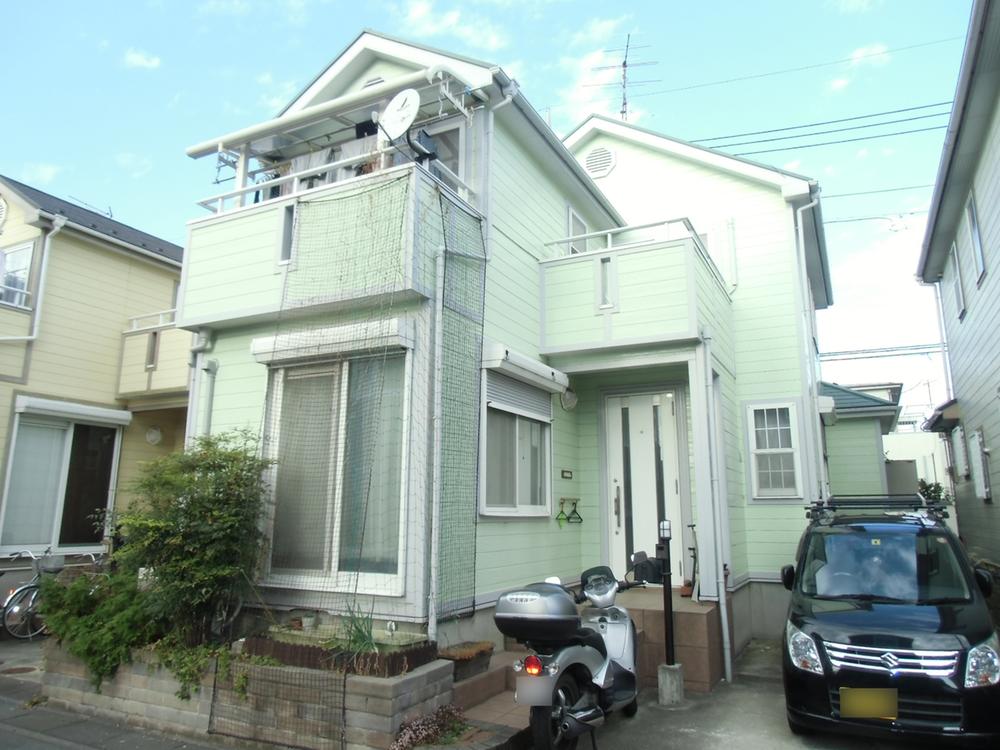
(624, 66)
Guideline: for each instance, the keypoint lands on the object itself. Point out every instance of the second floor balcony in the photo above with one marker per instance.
(632, 286)
(357, 242)
(154, 358)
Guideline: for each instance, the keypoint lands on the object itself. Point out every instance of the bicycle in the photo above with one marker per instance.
(21, 618)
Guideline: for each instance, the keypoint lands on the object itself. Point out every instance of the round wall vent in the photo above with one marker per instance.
(599, 162)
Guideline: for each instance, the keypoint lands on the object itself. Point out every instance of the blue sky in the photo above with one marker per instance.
(101, 99)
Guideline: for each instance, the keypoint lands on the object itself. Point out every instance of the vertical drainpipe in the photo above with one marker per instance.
(436, 423)
(57, 223)
(949, 388)
(203, 343)
(717, 517)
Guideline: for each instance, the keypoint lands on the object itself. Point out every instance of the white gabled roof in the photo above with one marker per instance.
(792, 185)
(370, 46)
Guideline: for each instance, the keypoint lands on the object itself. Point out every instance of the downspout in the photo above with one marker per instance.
(488, 166)
(202, 344)
(436, 423)
(945, 363)
(815, 442)
(210, 368)
(57, 223)
(717, 520)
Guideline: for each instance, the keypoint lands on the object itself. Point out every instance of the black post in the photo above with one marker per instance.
(663, 555)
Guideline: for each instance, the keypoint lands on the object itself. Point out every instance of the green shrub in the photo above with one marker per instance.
(195, 531)
(99, 620)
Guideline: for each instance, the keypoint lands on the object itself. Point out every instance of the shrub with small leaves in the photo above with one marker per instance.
(442, 726)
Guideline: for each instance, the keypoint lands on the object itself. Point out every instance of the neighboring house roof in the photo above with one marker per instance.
(974, 104)
(945, 417)
(851, 403)
(93, 222)
(795, 188)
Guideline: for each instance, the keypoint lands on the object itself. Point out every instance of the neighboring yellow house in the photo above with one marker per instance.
(93, 375)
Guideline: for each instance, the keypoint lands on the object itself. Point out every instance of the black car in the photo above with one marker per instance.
(888, 630)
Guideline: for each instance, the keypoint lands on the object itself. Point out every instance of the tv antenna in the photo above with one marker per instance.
(95, 209)
(624, 66)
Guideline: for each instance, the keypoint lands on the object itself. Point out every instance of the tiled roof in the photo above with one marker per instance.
(849, 399)
(95, 221)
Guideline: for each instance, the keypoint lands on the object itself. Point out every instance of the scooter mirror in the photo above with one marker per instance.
(639, 557)
(554, 579)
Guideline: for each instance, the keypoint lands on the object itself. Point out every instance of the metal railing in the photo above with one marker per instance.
(285, 186)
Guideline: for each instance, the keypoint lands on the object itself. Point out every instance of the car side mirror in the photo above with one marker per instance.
(985, 581)
(788, 576)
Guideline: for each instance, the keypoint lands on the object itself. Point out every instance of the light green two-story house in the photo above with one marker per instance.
(93, 375)
(480, 356)
(961, 257)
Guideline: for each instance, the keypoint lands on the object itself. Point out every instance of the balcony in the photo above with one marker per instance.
(318, 247)
(652, 284)
(154, 360)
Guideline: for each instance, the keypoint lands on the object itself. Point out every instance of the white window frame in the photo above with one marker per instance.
(575, 248)
(521, 511)
(286, 236)
(975, 237)
(25, 294)
(753, 451)
(71, 415)
(959, 292)
(959, 452)
(453, 123)
(333, 580)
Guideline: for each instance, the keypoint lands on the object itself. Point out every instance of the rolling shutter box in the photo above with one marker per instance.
(504, 391)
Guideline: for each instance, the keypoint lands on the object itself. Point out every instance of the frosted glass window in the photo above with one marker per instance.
(35, 477)
(517, 469)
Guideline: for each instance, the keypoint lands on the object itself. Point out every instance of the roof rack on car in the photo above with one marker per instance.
(825, 509)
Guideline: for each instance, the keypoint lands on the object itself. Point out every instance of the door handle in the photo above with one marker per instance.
(618, 505)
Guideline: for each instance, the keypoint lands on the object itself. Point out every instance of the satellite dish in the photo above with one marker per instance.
(400, 113)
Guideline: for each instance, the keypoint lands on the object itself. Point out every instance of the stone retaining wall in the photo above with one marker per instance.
(278, 705)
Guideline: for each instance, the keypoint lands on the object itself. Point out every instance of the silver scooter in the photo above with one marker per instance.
(582, 665)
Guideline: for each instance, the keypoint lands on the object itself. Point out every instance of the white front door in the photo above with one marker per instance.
(643, 477)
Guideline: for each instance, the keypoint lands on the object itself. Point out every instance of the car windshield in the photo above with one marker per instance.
(855, 562)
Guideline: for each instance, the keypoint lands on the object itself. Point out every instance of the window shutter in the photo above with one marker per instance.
(502, 391)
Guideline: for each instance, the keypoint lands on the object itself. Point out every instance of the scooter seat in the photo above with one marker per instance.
(589, 637)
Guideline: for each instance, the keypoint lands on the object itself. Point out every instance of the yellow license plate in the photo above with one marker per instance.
(869, 703)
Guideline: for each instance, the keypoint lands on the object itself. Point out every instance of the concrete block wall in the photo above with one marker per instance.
(139, 693)
(280, 705)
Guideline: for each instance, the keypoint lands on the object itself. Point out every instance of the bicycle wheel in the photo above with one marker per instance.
(20, 616)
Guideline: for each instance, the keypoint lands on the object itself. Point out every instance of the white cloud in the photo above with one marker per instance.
(792, 165)
(275, 94)
(134, 165)
(265, 79)
(839, 84)
(862, 153)
(137, 59)
(39, 173)
(515, 69)
(887, 151)
(589, 91)
(422, 19)
(872, 54)
(224, 7)
(855, 6)
(597, 31)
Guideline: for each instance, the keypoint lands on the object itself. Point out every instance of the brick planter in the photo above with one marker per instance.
(278, 705)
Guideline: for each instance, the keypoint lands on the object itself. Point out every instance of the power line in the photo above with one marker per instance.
(873, 192)
(844, 140)
(883, 351)
(892, 217)
(779, 72)
(801, 68)
(824, 122)
(827, 132)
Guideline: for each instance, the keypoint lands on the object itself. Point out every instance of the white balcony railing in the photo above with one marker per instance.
(284, 186)
(152, 320)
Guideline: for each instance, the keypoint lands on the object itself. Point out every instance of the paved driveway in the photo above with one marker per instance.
(746, 715)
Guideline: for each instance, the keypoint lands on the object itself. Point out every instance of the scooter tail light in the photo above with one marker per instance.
(533, 665)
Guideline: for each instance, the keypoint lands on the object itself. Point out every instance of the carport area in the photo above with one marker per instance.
(748, 714)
